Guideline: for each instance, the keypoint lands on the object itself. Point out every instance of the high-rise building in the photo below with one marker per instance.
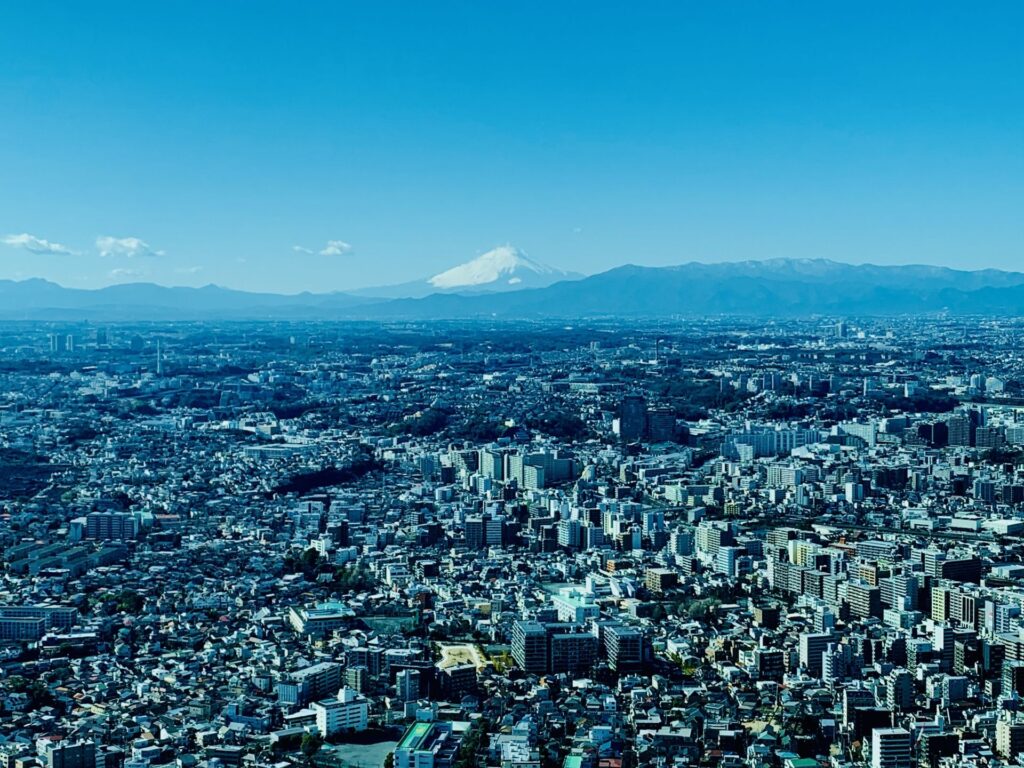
(111, 526)
(812, 646)
(661, 425)
(486, 530)
(624, 647)
(1009, 738)
(934, 433)
(770, 664)
(853, 699)
(492, 464)
(864, 600)
(988, 437)
(899, 690)
(932, 560)
(632, 418)
(569, 534)
(1012, 678)
(899, 591)
(890, 748)
(407, 684)
(984, 490)
(833, 664)
(552, 647)
(530, 646)
(935, 746)
(681, 542)
(572, 651)
(961, 427)
(357, 678)
(710, 537)
(474, 528)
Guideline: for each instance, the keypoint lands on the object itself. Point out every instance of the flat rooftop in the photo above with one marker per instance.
(414, 736)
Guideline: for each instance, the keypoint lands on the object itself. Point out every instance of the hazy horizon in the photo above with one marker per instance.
(579, 276)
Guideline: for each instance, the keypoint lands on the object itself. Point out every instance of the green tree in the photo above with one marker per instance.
(310, 558)
(355, 578)
(703, 609)
(311, 744)
(1004, 456)
(130, 601)
(474, 743)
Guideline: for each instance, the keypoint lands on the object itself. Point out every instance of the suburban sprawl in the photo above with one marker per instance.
(474, 544)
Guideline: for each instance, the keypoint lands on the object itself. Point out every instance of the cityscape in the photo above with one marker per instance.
(449, 544)
(451, 384)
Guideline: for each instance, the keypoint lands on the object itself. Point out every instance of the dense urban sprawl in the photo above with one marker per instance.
(437, 545)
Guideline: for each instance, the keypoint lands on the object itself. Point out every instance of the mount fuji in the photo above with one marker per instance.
(505, 268)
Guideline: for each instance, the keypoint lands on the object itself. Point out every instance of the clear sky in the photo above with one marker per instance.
(329, 145)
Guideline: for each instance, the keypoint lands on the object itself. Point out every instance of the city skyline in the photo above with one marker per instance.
(337, 147)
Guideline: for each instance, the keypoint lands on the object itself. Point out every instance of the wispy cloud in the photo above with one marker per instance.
(188, 270)
(124, 274)
(125, 246)
(37, 244)
(333, 248)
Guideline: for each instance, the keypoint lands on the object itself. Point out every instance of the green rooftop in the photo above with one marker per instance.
(413, 736)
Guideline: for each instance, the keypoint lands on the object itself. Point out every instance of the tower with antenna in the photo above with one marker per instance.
(159, 359)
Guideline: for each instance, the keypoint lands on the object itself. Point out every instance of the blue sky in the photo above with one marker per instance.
(196, 142)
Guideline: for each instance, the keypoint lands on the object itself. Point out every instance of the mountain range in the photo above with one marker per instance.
(506, 284)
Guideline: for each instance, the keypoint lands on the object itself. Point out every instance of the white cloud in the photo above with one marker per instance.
(124, 246)
(188, 270)
(37, 244)
(335, 248)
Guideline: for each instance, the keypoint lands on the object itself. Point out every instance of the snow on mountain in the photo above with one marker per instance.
(502, 267)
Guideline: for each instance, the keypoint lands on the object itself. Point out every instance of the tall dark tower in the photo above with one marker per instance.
(632, 417)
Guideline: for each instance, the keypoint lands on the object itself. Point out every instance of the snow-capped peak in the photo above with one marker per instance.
(502, 265)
